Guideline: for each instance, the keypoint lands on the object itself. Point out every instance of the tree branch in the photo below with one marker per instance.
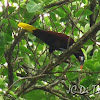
(60, 59)
(57, 3)
(8, 56)
(9, 52)
(72, 49)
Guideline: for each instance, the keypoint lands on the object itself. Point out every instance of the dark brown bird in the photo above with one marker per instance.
(56, 41)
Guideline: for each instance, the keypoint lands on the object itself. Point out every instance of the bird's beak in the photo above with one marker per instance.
(27, 27)
(81, 67)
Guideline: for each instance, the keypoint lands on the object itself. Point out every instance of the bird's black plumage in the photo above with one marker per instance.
(56, 41)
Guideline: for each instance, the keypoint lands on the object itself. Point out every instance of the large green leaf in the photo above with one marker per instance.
(89, 48)
(96, 66)
(4, 40)
(36, 95)
(24, 50)
(11, 9)
(60, 12)
(67, 8)
(53, 16)
(72, 75)
(8, 38)
(87, 27)
(79, 12)
(88, 81)
(2, 83)
(87, 12)
(85, 1)
(4, 21)
(89, 64)
(34, 7)
(1, 97)
(83, 12)
(89, 42)
(13, 23)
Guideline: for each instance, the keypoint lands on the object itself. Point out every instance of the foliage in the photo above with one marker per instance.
(28, 56)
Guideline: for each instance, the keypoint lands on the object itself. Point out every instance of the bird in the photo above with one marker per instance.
(55, 40)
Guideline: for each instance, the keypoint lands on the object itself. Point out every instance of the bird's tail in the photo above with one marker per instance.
(27, 27)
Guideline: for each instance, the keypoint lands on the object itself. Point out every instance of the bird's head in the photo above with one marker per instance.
(81, 60)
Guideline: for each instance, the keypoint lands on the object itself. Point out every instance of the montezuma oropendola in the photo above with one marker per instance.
(56, 41)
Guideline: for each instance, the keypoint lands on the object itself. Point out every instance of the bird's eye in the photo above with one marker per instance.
(81, 58)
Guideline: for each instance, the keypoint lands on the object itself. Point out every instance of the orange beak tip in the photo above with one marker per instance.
(81, 67)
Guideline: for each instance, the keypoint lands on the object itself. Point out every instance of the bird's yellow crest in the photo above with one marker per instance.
(27, 27)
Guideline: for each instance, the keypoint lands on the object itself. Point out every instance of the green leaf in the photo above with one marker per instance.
(2, 39)
(67, 8)
(27, 16)
(24, 50)
(98, 56)
(87, 12)
(47, 21)
(85, 1)
(5, 38)
(88, 81)
(13, 94)
(87, 27)
(83, 12)
(11, 9)
(34, 7)
(2, 83)
(3, 60)
(89, 42)
(85, 53)
(92, 64)
(90, 47)
(95, 54)
(32, 37)
(1, 51)
(72, 75)
(53, 16)
(8, 38)
(79, 12)
(1, 97)
(37, 95)
(13, 23)
(97, 66)
(4, 21)
(60, 13)
(89, 64)
(27, 59)
(2, 43)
